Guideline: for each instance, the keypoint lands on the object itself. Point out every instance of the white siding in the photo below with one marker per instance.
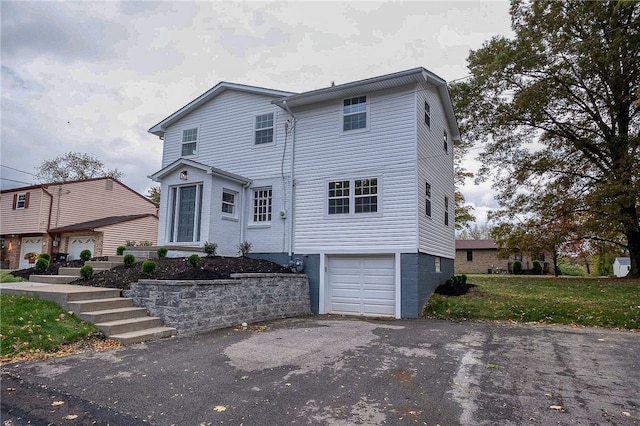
(436, 167)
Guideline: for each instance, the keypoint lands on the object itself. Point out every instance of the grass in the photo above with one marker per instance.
(30, 326)
(6, 277)
(591, 302)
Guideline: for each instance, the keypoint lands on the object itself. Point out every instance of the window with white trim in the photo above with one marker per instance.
(427, 202)
(427, 114)
(21, 201)
(446, 141)
(264, 129)
(189, 142)
(185, 212)
(354, 113)
(446, 211)
(363, 197)
(262, 205)
(229, 202)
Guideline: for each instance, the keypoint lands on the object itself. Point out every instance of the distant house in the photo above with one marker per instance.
(95, 214)
(482, 257)
(621, 266)
(353, 182)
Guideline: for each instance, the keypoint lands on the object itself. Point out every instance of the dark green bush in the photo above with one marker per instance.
(149, 267)
(450, 281)
(120, 250)
(129, 260)
(86, 272)
(85, 255)
(162, 252)
(537, 267)
(210, 248)
(194, 260)
(463, 279)
(45, 256)
(517, 267)
(42, 264)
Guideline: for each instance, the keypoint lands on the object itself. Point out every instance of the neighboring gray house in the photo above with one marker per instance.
(354, 180)
(621, 266)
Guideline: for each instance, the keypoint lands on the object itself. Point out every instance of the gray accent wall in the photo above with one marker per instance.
(419, 279)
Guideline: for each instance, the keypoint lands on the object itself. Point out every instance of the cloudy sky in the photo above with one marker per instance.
(93, 77)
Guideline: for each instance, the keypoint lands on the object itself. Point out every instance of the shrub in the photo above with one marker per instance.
(85, 255)
(194, 260)
(450, 281)
(517, 267)
(45, 256)
(463, 279)
(537, 267)
(162, 252)
(244, 248)
(42, 264)
(145, 243)
(129, 260)
(86, 272)
(120, 250)
(210, 248)
(572, 270)
(149, 267)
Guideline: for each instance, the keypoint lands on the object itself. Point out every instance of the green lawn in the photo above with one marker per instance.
(31, 326)
(611, 303)
(6, 277)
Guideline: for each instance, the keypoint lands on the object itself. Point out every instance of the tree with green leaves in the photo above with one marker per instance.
(154, 194)
(74, 166)
(557, 110)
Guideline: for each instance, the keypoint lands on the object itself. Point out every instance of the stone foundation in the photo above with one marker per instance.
(201, 305)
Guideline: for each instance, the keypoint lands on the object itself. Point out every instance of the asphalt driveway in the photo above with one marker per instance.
(341, 371)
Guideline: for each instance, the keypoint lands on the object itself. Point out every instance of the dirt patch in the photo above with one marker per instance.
(211, 268)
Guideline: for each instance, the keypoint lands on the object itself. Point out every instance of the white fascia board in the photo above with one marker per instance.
(181, 162)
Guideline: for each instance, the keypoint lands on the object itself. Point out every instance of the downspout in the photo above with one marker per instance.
(291, 183)
(243, 210)
(50, 208)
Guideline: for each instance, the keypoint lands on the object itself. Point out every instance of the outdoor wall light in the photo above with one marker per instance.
(184, 175)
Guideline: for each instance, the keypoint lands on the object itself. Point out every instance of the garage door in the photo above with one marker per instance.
(362, 285)
(77, 244)
(29, 244)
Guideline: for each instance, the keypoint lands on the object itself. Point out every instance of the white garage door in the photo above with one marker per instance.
(28, 245)
(77, 244)
(362, 285)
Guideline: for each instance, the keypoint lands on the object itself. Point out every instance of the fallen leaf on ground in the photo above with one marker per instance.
(219, 408)
(56, 403)
(556, 407)
(71, 417)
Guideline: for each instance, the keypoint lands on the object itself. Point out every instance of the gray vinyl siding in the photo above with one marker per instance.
(436, 167)
(385, 151)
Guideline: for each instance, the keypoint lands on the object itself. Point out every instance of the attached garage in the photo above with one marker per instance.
(29, 244)
(77, 244)
(361, 285)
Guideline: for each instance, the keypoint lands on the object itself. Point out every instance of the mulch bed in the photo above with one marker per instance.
(454, 290)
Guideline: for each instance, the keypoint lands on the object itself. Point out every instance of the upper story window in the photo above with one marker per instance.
(355, 113)
(229, 202)
(20, 201)
(427, 202)
(427, 114)
(262, 204)
(362, 194)
(446, 141)
(446, 211)
(189, 142)
(264, 129)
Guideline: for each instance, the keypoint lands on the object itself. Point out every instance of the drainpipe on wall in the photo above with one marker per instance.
(291, 183)
(50, 208)
(245, 187)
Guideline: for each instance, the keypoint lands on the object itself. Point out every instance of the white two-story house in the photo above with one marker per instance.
(354, 181)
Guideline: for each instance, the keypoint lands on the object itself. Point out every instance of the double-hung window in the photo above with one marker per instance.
(262, 205)
(362, 194)
(20, 201)
(264, 129)
(354, 113)
(189, 142)
(228, 202)
(427, 202)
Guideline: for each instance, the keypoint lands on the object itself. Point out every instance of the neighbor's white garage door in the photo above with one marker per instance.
(362, 285)
(29, 244)
(77, 244)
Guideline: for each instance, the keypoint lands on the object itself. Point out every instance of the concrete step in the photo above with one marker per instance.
(144, 335)
(52, 279)
(83, 306)
(102, 264)
(128, 325)
(65, 270)
(113, 314)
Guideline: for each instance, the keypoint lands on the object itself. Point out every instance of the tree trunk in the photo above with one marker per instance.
(556, 267)
(633, 238)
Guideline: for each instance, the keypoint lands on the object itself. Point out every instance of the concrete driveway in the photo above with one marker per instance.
(341, 371)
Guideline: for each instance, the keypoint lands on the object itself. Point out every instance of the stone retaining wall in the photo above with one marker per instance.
(195, 306)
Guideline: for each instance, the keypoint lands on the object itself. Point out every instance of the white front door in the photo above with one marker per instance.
(29, 244)
(77, 244)
(362, 285)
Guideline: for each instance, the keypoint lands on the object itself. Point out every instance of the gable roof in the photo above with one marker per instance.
(181, 162)
(99, 223)
(476, 245)
(623, 261)
(160, 128)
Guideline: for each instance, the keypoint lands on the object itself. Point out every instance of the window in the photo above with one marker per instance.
(262, 204)
(437, 266)
(264, 129)
(355, 113)
(469, 255)
(364, 196)
(446, 211)
(185, 211)
(20, 201)
(229, 202)
(427, 114)
(446, 142)
(427, 203)
(189, 142)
